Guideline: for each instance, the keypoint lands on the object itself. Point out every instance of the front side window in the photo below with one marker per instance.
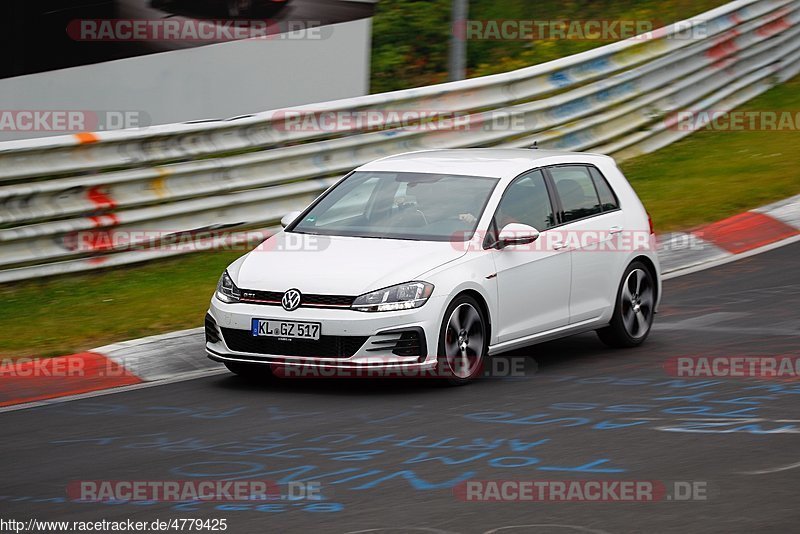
(576, 191)
(526, 201)
(401, 205)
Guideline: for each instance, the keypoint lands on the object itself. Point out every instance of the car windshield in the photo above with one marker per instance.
(401, 205)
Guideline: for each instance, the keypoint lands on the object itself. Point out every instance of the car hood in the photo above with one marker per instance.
(337, 265)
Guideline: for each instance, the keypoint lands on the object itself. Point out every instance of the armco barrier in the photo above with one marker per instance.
(245, 172)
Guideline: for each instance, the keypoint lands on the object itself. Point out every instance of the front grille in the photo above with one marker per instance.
(273, 298)
(326, 347)
(261, 297)
(212, 335)
(409, 343)
(326, 300)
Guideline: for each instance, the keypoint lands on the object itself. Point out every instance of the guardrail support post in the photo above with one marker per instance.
(457, 60)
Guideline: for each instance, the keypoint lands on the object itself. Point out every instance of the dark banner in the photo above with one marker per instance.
(43, 35)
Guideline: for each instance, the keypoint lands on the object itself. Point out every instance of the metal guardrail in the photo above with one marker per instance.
(245, 173)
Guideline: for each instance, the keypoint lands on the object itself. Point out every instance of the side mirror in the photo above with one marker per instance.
(516, 234)
(289, 218)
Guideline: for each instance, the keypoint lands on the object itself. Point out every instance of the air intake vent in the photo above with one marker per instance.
(212, 334)
(402, 343)
(327, 347)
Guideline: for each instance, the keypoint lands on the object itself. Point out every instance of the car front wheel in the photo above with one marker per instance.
(635, 306)
(463, 341)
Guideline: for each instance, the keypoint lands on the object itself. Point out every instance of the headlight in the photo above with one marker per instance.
(227, 290)
(399, 297)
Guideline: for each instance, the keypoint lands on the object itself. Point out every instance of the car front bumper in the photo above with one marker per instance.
(378, 329)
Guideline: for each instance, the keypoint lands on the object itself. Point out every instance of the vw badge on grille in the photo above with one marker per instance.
(291, 300)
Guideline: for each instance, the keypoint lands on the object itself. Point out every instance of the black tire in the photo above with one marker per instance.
(251, 371)
(464, 365)
(634, 310)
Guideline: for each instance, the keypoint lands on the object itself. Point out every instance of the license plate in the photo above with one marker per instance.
(285, 329)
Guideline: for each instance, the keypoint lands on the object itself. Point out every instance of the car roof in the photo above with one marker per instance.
(491, 162)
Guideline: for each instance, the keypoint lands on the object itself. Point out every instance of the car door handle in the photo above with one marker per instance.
(615, 230)
(558, 245)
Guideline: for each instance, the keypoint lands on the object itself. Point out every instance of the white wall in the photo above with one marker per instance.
(208, 82)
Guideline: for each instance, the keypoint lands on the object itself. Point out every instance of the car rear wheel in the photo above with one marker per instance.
(463, 341)
(633, 313)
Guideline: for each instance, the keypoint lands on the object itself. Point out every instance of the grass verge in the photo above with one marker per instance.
(703, 178)
(711, 175)
(410, 37)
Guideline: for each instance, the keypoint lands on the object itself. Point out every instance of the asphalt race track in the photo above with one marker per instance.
(387, 454)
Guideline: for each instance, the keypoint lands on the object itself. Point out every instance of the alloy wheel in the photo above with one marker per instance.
(637, 303)
(464, 341)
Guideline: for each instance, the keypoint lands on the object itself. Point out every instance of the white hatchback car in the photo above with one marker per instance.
(438, 259)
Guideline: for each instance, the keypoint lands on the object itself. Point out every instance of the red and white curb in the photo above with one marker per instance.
(179, 356)
(163, 356)
(750, 232)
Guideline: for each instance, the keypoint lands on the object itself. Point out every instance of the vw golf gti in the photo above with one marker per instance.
(436, 260)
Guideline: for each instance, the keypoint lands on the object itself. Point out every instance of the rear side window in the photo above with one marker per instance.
(577, 192)
(607, 198)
